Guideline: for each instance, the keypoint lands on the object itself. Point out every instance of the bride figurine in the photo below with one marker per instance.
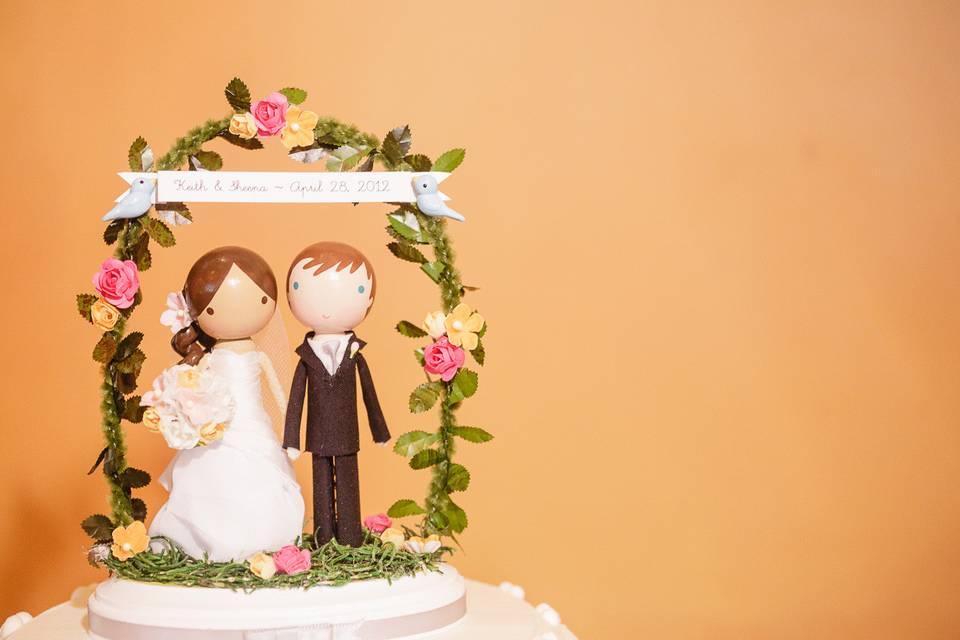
(235, 493)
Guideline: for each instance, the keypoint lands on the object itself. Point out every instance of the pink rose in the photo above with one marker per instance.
(118, 282)
(378, 523)
(270, 114)
(443, 358)
(291, 560)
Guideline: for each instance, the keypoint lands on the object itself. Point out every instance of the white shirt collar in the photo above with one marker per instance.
(330, 349)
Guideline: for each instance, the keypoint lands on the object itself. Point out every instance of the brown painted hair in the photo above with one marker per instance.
(324, 255)
(203, 282)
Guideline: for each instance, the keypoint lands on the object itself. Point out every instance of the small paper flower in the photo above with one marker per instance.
(377, 523)
(98, 553)
(392, 536)
(262, 565)
(435, 324)
(549, 614)
(292, 560)
(270, 114)
(151, 420)
(443, 359)
(298, 132)
(462, 326)
(243, 125)
(117, 282)
(416, 544)
(104, 315)
(211, 432)
(177, 316)
(129, 541)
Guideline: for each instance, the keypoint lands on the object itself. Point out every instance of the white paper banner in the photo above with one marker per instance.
(283, 186)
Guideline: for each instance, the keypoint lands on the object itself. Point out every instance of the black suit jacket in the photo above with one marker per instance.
(332, 423)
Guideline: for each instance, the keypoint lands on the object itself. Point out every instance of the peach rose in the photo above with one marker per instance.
(262, 566)
(104, 315)
(151, 420)
(270, 114)
(243, 125)
(392, 536)
(117, 282)
(211, 432)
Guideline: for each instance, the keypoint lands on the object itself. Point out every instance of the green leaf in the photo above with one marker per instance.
(139, 510)
(404, 508)
(458, 478)
(132, 364)
(294, 95)
(135, 154)
(471, 434)
(367, 164)
(238, 95)
(418, 354)
(141, 252)
(466, 382)
(418, 162)
(132, 411)
(410, 330)
(425, 396)
(105, 349)
(433, 269)
(129, 344)
(449, 160)
(250, 144)
(159, 232)
(99, 527)
(100, 458)
(112, 232)
(396, 144)
(127, 382)
(405, 231)
(84, 302)
(414, 442)
(134, 478)
(479, 354)
(424, 459)
(209, 160)
(456, 518)
(406, 252)
(343, 158)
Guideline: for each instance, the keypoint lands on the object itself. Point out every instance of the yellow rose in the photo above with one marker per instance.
(151, 420)
(392, 536)
(189, 378)
(462, 327)
(262, 566)
(211, 432)
(298, 132)
(243, 125)
(435, 324)
(129, 541)
(104, 315)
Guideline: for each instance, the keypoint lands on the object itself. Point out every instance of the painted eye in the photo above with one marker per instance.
(361, 289)
(263, 300)
(210, 310)
(296, 285)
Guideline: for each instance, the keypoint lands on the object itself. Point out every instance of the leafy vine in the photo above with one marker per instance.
(344, 148)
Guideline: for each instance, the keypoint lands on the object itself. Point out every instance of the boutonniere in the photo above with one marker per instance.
(354, 347)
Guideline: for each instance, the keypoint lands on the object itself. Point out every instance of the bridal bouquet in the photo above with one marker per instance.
(188, 405)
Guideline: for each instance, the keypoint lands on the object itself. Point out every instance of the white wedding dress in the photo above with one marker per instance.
(239, 495)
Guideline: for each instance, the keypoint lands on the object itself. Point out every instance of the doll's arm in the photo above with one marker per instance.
(378, 425)
(273, 382)
(291, 430)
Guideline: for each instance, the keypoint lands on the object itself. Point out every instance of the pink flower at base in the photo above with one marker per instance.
(378, 523)
(291, 560)
(270, 114)
(117, 282)
(443, 359)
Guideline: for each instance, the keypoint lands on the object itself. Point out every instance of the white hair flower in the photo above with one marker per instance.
(177, 316)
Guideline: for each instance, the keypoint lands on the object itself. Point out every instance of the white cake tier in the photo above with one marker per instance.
(492, 614)
(370, 609)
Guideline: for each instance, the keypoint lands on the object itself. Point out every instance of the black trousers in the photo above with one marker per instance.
(336, 499)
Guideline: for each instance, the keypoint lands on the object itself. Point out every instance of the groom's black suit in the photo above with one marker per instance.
(333, 435)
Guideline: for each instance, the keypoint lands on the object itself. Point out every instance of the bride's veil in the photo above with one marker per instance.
(272, 341)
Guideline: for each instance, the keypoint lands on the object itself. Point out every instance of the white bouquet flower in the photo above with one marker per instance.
(189, 406)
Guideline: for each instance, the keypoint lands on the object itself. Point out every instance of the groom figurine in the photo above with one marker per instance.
(330, 287)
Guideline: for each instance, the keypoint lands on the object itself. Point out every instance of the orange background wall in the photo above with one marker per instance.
(717, 245)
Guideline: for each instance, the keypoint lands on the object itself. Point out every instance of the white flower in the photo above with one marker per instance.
(188, 399)
(513, 589)
(417, 544)
(549, 614)
(436, 324)
(177, 316)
